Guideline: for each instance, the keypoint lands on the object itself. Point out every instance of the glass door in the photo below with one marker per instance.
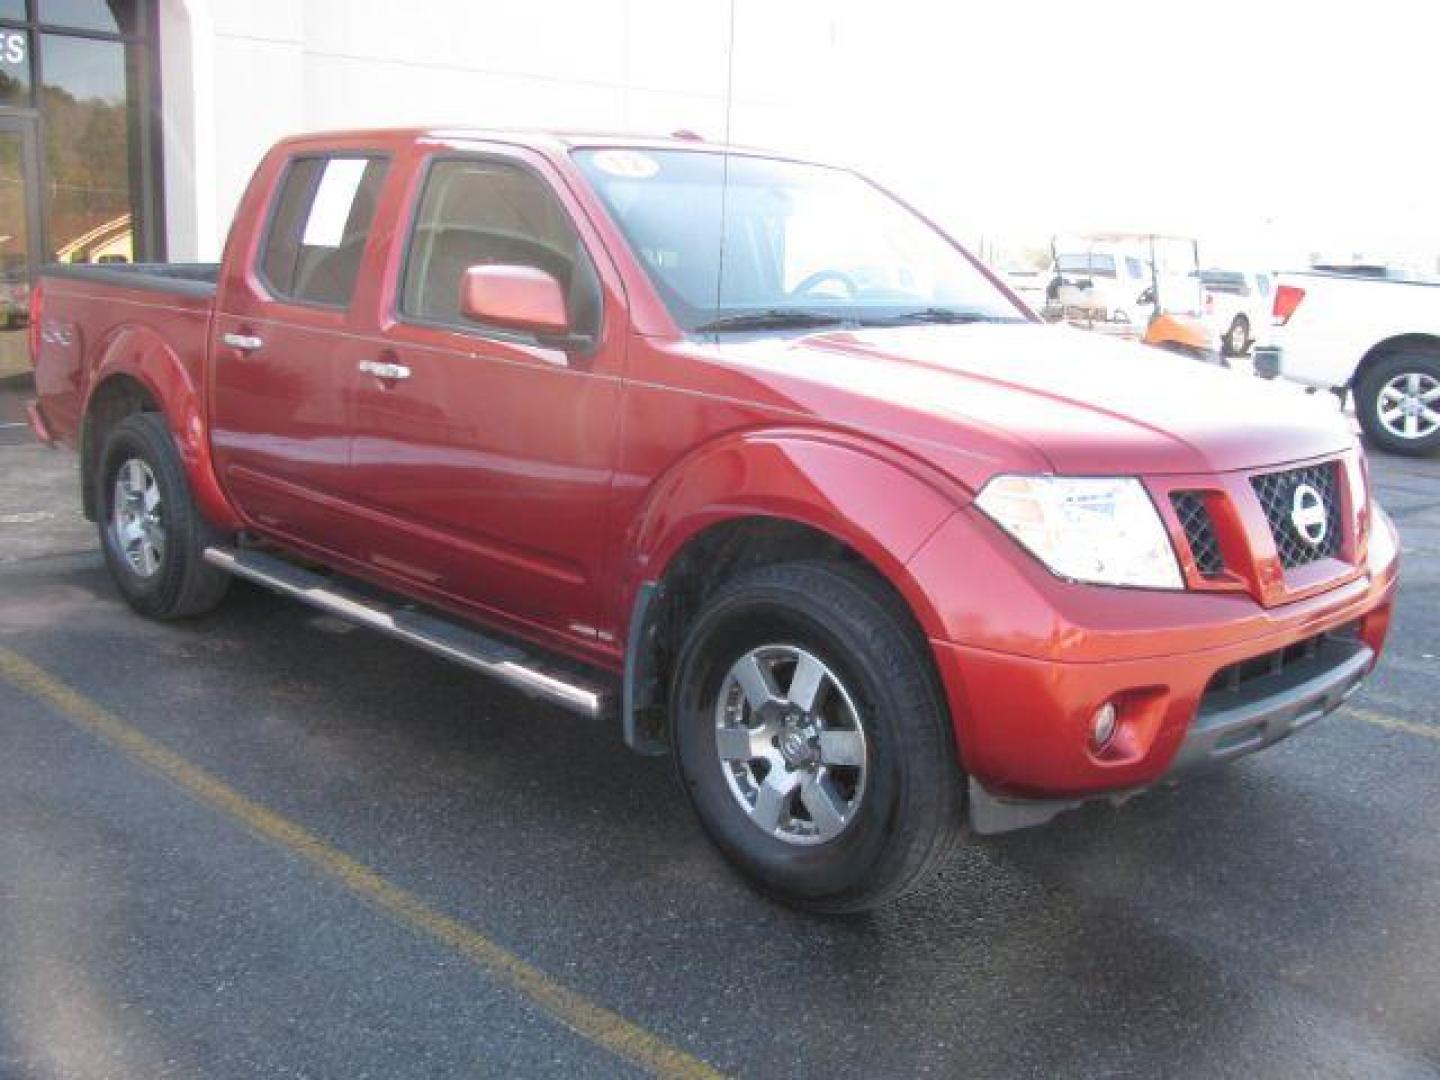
(19, 238)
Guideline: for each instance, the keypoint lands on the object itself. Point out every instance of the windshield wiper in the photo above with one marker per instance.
(941, 315)
(771, 319)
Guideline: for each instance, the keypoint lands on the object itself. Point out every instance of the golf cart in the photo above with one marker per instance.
(1141, 286)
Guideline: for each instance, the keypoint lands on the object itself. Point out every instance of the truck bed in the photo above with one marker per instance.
(88, 311)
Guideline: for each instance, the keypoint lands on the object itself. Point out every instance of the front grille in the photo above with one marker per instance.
(1194, 517)
(1300, 539)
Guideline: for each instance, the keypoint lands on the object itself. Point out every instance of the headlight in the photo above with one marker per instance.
(1104, 531)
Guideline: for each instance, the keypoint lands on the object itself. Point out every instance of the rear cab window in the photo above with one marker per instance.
(319, 226)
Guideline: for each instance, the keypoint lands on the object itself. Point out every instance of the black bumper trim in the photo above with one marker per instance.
(1262, 714)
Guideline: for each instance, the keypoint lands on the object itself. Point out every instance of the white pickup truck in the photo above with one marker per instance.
(1378, 337)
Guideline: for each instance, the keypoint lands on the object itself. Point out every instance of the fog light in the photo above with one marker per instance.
(1102, 726)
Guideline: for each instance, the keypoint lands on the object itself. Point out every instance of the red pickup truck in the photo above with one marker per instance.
(738, 451)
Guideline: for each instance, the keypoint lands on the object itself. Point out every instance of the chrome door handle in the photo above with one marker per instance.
(245, 343)
(384, 370)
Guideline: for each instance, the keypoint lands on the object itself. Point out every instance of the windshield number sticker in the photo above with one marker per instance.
(630, 164)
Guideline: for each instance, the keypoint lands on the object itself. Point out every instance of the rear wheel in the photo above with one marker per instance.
(150, 530)
(811, 736)
(1397, 399)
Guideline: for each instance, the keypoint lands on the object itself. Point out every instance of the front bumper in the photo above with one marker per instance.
(1023, 718)
(1228, 724)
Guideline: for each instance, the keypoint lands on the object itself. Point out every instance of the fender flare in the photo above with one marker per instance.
(877, 501)
(142, 355)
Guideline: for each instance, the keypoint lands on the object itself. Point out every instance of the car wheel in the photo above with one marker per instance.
(152, 534)
(811, 735)
(1237, 338)
(1398, 401)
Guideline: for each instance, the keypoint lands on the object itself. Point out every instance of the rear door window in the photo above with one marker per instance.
(318, 229)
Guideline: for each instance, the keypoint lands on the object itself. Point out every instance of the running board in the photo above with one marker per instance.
(487, 655)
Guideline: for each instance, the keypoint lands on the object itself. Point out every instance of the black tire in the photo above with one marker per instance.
(909, 818)
(183, 583)
(1239, 330)
(1370, 387)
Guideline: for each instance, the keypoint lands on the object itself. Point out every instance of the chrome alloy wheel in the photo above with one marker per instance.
(1409, 405)
(137, 524)
(794, 758)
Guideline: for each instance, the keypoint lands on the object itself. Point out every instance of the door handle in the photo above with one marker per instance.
(245, 343)
(385, 370)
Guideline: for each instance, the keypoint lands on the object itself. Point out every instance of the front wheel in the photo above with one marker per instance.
(150, 529)
(1398, 402)
(811, 736)
(1237, 338)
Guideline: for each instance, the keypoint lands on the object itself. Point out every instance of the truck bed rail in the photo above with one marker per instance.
(185, 279)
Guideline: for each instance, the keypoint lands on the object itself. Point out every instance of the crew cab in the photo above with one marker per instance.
(738, 453)
(1370, 334)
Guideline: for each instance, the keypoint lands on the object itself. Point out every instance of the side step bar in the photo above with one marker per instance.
(474, 650)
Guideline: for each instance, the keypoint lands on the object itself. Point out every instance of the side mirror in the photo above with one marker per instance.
(514, 297)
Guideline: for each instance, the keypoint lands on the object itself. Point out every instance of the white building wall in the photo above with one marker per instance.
(238, 74)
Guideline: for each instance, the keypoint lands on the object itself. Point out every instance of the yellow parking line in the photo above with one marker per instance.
(1394, 723)
(569, 1007)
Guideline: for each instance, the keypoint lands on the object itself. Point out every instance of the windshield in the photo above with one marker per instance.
(801, 244)
(1083, 263)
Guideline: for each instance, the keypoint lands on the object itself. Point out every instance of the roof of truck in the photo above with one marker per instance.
(532, 136)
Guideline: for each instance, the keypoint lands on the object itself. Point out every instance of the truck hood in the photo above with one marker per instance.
(1032, 397)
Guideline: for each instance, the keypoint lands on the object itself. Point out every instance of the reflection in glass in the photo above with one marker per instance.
(735, 241)
(89, 149)
(107, 16)
(13, 9)
(14, 67)
(14, 252)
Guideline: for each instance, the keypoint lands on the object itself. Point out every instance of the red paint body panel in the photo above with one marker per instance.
(95, 332)
(537, 491)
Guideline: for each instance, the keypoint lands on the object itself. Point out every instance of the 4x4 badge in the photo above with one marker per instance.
(1308, 515)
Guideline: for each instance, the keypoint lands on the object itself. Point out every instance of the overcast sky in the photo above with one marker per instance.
(1271, 129)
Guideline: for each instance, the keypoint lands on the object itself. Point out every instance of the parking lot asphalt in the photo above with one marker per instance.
(262, 843)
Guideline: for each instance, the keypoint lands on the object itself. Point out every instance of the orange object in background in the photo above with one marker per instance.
(1180, 333)
(1141, 286)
